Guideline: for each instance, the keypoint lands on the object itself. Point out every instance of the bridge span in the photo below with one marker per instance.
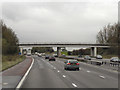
(60, 45)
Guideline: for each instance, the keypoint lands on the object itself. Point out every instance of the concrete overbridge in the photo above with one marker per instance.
(60, 45)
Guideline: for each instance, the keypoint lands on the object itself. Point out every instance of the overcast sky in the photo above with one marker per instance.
(78, 21)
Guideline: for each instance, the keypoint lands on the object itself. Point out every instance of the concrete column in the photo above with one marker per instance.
(92, 51)
(58, 51)
(21, 50)
(95, 51)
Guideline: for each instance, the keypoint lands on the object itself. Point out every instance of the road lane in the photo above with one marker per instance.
(91, 79)
(50, 74)
(42, 75)
(95, 68)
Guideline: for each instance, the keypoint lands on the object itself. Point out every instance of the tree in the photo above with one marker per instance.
(42, 49)
(109, 35)
(9, 40)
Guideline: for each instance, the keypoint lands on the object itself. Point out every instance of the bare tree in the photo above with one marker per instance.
(109, 34)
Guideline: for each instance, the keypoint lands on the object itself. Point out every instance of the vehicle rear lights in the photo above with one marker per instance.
(77, 63)
(68, 63)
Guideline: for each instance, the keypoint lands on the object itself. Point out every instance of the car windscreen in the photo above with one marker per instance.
(51, 57)
(73, 61)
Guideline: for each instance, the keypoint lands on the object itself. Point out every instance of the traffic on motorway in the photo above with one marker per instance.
(98, 59)
(62, 72)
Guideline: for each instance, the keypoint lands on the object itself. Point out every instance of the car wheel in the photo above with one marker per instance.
(77, 69)
(65, 69)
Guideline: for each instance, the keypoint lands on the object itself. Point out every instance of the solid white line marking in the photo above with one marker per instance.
(22, 80)
(88, 71)
(64, 76)
(74, 85)
(58, 71)
(102, 76)
(54, 68)
(5, 83)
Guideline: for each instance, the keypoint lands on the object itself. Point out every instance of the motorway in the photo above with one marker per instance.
(51, 74)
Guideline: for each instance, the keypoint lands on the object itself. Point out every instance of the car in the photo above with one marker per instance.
(87, 57)
(115, 59)
(55, 55)
(28, 54)
(51, 58)
(39, 55)
(79, 55)
(71, 64)
(46, 57)
(98, 57)
(24, 53)
(63, 55)
(36, 53)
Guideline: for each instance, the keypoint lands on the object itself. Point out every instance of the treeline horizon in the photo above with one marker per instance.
(9, 40)
(110, 34)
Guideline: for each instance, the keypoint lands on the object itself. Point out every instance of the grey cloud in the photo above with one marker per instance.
(53, 22)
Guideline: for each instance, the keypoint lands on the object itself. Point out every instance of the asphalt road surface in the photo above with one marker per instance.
(51, 74)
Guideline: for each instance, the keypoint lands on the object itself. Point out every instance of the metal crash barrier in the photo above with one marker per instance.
(96, 62)
(114, 64)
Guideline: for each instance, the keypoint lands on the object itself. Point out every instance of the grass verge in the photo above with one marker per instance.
(64, 52)
(11, 60)
(109, 56)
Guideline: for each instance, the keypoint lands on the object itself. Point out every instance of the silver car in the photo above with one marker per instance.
(71, 64)
(115, 59)
(98, 57)
(87, 57)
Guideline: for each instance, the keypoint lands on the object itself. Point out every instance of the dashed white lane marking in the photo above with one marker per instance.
(64, 76)
(102, 76)
(115, 71)
(74, 85)
(88, 71)
(58, 71)
(79, 68)
(5, 83)
(54, 68)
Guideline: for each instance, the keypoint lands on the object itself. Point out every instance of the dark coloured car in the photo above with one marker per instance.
(87, 57)
(79, 55)
(51, 58)
(71, 64)
(46, 57)
(55, 55)
(63, 55)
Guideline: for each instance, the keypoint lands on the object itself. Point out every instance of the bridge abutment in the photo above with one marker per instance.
(93, 51)
(21, 50)
(59, 51)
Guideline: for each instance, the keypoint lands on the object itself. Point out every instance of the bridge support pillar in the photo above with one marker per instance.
(93, 51)
(58, 51)
(21, 50)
